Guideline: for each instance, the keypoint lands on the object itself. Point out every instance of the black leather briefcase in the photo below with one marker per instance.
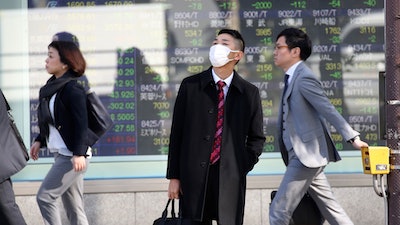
(306, 213)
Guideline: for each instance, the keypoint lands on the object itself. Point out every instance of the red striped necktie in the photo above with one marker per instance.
(220, 121)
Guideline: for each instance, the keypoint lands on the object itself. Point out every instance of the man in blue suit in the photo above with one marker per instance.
(305, 141)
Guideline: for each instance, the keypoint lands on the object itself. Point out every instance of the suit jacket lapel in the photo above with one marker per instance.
(297, 73)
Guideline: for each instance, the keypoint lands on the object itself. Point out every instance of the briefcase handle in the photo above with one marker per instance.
(165, 212)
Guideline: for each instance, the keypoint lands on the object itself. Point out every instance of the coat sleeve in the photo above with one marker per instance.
(312, 90)
(255, 137)
(173, 167)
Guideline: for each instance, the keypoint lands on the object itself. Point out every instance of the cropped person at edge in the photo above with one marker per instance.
(215, 190)
(10, 213)
(63, 127)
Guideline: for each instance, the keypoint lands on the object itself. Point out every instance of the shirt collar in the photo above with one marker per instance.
(291, 70)
(227, 81)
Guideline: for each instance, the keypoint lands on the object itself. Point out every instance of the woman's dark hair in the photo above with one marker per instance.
(236, 35)
(297, 38)
(70, 55)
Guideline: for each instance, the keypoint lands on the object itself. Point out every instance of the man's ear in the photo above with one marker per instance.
(238, 55)
(296, 52)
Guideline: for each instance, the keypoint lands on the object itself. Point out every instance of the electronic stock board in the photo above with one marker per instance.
(163, 46)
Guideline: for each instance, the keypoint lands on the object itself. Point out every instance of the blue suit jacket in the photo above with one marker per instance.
(306, 109)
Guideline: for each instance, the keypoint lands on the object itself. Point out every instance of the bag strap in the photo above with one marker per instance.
(173, 209)
(165, 212)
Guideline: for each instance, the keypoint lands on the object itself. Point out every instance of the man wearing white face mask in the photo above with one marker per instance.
(219, 55)
(216, 137)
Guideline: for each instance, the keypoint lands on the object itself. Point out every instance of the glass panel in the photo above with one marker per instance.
(139, 51)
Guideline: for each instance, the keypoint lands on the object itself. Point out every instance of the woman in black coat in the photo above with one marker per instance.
(215, 190)
(63, 124)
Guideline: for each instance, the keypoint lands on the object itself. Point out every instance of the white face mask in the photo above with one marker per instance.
(219, 55)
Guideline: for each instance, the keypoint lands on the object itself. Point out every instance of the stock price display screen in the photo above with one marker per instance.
(138, 52)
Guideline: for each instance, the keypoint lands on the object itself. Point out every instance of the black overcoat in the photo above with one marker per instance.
(191, 140)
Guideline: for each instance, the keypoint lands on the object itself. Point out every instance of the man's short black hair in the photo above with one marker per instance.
(236, 35)
(297, 38)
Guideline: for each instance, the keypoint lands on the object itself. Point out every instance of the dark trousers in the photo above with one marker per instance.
(9, 210)
(212, 194)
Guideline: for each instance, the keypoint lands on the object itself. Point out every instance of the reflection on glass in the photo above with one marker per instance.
(171, 40)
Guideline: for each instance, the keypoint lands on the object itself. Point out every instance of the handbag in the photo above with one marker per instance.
(15, 130)
(14, 154)
(173, 220)
(99, 120)
(306, 213)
